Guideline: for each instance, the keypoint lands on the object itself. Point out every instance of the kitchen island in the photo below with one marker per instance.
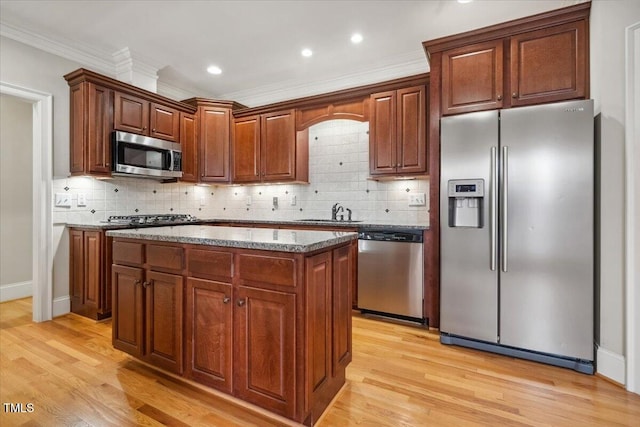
(261, 314)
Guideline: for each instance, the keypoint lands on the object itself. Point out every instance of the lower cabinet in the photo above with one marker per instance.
(90, 273)
(270, 328)
(147, 315)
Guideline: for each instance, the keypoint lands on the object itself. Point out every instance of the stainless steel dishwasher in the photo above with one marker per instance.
(390, 273)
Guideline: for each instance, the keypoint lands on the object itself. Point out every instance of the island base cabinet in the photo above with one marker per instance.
(265, 357)
(209, 328)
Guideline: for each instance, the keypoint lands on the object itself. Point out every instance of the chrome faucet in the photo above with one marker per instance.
(334, 211)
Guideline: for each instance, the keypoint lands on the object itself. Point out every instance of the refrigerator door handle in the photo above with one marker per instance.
(505, 205)
(493, 208)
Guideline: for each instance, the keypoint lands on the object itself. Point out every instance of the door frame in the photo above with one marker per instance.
(632, 245)
(42, 228)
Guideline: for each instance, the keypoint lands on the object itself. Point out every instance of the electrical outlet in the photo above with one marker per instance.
(248, 200)
(202, 201)
(293, 200)
(417, 199)
(63, 200)
(82, 199)
(275, 202)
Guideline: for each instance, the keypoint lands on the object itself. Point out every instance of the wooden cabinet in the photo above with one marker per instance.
(397, 132)
(546, 64)
(266, 149)
(472, 77)
(271, 328)
(138, 115)
(189, 146)
(89, 273)
(208, 155)
(90, 131)
(147, 315)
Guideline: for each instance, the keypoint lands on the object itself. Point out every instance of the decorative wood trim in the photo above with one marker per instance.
(205, 102)
(509, 28)
(84, 75)
(341, 96)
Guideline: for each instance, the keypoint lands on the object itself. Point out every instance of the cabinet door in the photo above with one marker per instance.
(209, 328)
(318, 317)
(189, 146)
(549, 65)
(92, 270)
(411, 130)
(265, 352)
(131, 114)
(215, 124)
(472, 78)
(382, 134)
(164, 320)
(76, 270)
(164, 122)
(98, 128)
(278, 146)
(246, 149)
(77, 112)
(127, 325)
(343, 280)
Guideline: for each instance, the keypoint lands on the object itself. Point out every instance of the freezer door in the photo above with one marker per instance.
(546, 293)
(469, 288)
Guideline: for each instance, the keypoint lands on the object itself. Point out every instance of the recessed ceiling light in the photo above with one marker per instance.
(356, 38)
(464, 1)
(306, 52)
(213, 69)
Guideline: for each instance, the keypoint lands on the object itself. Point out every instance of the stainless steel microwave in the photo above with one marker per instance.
(141, 156)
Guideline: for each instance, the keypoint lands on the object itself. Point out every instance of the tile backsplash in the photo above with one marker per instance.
(338, 172)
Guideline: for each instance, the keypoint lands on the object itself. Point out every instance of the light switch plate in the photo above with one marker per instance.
(82, 199)
(417, 199)
(63, 200)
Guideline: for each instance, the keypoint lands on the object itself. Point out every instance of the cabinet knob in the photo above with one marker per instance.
(499, 97)
(241, 302)
(137, 282)
(514, 95)
(226, 300)
(144, 128)
(149, 283)
(153, 130)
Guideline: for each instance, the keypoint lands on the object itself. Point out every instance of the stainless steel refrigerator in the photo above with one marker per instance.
(517, 232)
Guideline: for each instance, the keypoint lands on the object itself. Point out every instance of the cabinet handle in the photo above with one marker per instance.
(499, 97)
(226, 300)
(514, 95)
(241, 302)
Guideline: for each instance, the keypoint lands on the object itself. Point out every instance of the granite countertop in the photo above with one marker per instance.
(99, 225)
(300, 241)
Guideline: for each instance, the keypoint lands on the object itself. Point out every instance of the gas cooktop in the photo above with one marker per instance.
(152, 219)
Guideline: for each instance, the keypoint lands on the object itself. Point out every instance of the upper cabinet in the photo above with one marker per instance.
(266, 148)
(100, 105)
(397, 132)
(137, 115)
(534, 60)
(206, 157)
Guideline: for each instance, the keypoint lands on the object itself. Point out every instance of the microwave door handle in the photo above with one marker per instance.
(170, 160)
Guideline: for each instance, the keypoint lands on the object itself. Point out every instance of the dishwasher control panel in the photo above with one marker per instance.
(412, 236)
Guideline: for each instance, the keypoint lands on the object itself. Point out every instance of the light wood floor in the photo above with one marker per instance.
(400, 376)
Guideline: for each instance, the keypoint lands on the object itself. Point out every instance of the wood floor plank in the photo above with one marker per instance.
(400, 376)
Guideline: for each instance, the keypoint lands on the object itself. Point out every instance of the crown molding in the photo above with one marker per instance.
(402, 66)
(91, 58)
(174, 92)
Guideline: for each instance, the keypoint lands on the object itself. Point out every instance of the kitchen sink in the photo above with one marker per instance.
(329, 220)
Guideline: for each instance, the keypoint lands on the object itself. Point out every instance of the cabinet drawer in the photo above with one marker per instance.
(267, 269)
(128, 253)
(165, 257)
(213, 265)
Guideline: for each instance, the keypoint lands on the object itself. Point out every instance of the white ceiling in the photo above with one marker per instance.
(257, 43)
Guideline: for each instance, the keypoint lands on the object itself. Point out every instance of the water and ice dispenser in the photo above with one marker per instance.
(466, 198)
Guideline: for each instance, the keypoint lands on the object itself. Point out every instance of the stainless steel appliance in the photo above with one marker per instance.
(152, 219)
(517, 232)
(390, 273)
(142, 156)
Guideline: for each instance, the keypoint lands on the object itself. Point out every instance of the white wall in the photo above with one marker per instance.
(608, 22)
(15, 198)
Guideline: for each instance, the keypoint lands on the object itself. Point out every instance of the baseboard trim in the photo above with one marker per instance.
(16, 291)
(611, 365)
(61, 305)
